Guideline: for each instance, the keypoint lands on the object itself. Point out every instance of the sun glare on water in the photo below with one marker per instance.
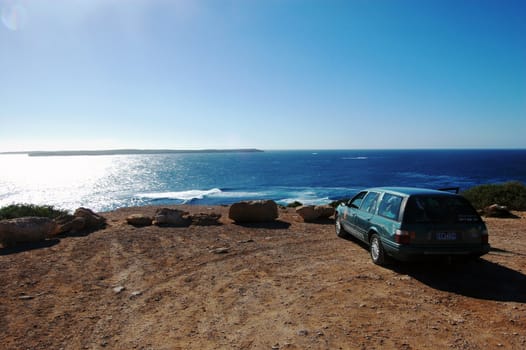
(47, 180)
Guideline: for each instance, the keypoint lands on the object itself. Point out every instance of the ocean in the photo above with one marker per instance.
(107, 182)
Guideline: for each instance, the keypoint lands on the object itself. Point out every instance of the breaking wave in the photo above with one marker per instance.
(282, 195)
(185, 196)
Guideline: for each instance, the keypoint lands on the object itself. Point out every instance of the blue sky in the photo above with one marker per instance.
(270, 74)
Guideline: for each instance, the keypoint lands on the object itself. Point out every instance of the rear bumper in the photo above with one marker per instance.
(409, 252)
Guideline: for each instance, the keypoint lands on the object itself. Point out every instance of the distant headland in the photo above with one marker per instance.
(130, 152)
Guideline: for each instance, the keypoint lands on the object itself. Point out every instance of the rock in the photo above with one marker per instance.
(139, 220)
(497, 211)
(222, 250)
(303, 332)
(26, 229)
(69, 223)
(313, 213)
(253, 211)
(205, 219)
(82, 220)
(324, 211)
(93, 220)
(307, 212)
(118, 289)
(171, 217)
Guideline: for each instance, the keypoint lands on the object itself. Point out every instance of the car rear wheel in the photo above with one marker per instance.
(340, 231)
(377, 251)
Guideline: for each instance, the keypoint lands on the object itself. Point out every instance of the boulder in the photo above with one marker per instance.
(26, 229)
(93, 220)
(313, 213)
(205, 219)
(139, 220)
(307, 212)
(69, 223)
(253, 211)
(82, 220)
(497, 211)
(171, 217)
(324, 211)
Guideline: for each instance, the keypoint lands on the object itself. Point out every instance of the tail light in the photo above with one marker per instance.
(404, 237)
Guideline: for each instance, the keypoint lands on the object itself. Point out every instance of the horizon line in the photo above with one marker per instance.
(129, 151)
(124, 151)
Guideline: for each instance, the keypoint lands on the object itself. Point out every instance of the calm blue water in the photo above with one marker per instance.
(108, 182)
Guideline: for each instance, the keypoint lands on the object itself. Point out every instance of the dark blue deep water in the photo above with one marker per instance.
(285, 176)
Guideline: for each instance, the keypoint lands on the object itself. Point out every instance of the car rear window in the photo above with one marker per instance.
(446, 209)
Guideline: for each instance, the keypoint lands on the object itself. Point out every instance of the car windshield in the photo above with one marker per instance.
(447, 209)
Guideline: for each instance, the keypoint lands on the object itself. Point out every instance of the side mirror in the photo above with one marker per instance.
(352, 205)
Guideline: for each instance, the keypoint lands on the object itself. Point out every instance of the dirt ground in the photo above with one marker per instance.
(285, 285)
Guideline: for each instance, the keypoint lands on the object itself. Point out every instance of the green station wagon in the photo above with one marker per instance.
(406, 223)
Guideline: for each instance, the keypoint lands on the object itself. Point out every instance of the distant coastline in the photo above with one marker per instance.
(130, 152)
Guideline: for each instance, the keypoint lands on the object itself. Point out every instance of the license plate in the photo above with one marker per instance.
(446, 236)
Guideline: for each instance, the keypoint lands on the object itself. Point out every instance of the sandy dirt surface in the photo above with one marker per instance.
(285, 285)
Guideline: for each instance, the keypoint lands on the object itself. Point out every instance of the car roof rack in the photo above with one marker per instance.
(450, 189)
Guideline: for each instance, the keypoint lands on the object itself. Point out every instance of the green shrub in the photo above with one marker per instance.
(294, 204)
(511, 194)
(334, 204)
(20, 210)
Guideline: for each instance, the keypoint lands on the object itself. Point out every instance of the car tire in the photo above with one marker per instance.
(377, 251)
(340, 231)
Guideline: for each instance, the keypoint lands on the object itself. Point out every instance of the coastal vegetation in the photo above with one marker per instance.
(294, 204)
(14, 211)
(335, 203)
(510, 194)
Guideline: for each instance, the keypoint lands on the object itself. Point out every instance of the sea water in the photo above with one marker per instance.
(108, 182)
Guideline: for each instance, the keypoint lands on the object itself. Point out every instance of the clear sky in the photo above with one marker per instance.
(269, 74)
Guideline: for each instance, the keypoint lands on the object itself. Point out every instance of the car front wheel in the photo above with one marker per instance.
(377, 251)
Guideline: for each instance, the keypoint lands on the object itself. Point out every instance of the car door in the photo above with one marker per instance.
(362, 219)
(349, 213)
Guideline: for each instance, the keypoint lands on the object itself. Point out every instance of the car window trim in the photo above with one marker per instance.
(356, 197)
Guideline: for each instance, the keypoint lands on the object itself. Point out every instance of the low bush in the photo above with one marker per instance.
(334, 204)
(510, 194)
(20, 210)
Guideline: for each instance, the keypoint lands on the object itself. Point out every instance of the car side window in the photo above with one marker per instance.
(370, 201)
(357, 200)
(390, 206)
